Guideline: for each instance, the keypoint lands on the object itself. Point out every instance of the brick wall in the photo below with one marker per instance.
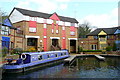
(24, 25)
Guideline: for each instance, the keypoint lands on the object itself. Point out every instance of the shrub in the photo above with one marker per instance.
(109, 48)
(32, 49)
(114, 47)
(17, 51)
(80, 49)
(4, 51)
(92, 50)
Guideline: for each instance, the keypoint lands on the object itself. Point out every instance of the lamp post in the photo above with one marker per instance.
(82, 46)
(82, 43)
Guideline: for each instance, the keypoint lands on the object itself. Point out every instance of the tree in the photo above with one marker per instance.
(84, 29)
(3, 15)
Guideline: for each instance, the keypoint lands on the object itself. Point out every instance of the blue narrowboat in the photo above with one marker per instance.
(29, 61)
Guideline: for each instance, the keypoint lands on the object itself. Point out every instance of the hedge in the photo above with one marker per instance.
(92, 50)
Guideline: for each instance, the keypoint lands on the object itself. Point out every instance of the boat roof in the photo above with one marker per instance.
(48, 52)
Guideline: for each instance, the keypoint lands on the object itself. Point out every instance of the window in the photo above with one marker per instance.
(3, 27)
(52, 31)
(56, 55)
(48, 56)
(108, 37)
(31, 42)
(65, 53)
(12, 45)
(72, 33)
(45, 26)
(40, 57)
(95, 37)
(32, 29)
(102, 39)
(63, 28)
(57, 28)
(5, 30)
(52, 27)
(103, 46)
(56, 31)
(61, 54)
(94, 47)
(72, 30)
(19, 31)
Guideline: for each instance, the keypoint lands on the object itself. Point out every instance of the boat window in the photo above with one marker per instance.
(40, 57)
(55, 55)
(48, 56)
(61, 54)
(65, 53)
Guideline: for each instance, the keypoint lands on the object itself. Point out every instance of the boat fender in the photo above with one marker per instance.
(23, 57)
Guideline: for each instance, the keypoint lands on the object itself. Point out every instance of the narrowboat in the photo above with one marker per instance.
(29, 61)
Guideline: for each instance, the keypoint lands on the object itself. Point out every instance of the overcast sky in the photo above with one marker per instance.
(100, 13)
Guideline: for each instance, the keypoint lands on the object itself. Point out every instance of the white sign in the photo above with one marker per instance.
(32, 29)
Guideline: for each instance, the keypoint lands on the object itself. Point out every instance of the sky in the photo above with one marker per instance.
(99, 13)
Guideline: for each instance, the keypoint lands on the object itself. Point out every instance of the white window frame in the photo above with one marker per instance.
(57, 31)
(94, 47)
(31, 29)
(52, 30)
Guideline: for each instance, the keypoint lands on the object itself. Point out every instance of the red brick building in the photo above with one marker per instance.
(43, 31)
(100, 38)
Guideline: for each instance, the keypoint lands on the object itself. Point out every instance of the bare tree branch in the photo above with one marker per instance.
(84, 29)
(3, 15)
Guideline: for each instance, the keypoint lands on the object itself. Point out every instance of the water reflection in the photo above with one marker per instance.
(92, 68)
(82, 67)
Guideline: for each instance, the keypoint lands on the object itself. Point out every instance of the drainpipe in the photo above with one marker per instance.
(14, 38)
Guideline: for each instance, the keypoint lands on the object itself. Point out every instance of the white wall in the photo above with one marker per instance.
(60, 23)
(40, 20)
(16, 16)
(67, 24)
(76, 25)
(49, 21)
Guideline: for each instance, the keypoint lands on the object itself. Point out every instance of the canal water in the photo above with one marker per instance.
(82, 67)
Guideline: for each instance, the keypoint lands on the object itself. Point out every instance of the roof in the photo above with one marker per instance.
(109, 31)
(41, 53)
(44, 15)
(8, 23)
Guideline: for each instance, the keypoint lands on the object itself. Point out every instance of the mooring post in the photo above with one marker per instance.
(23, 69)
